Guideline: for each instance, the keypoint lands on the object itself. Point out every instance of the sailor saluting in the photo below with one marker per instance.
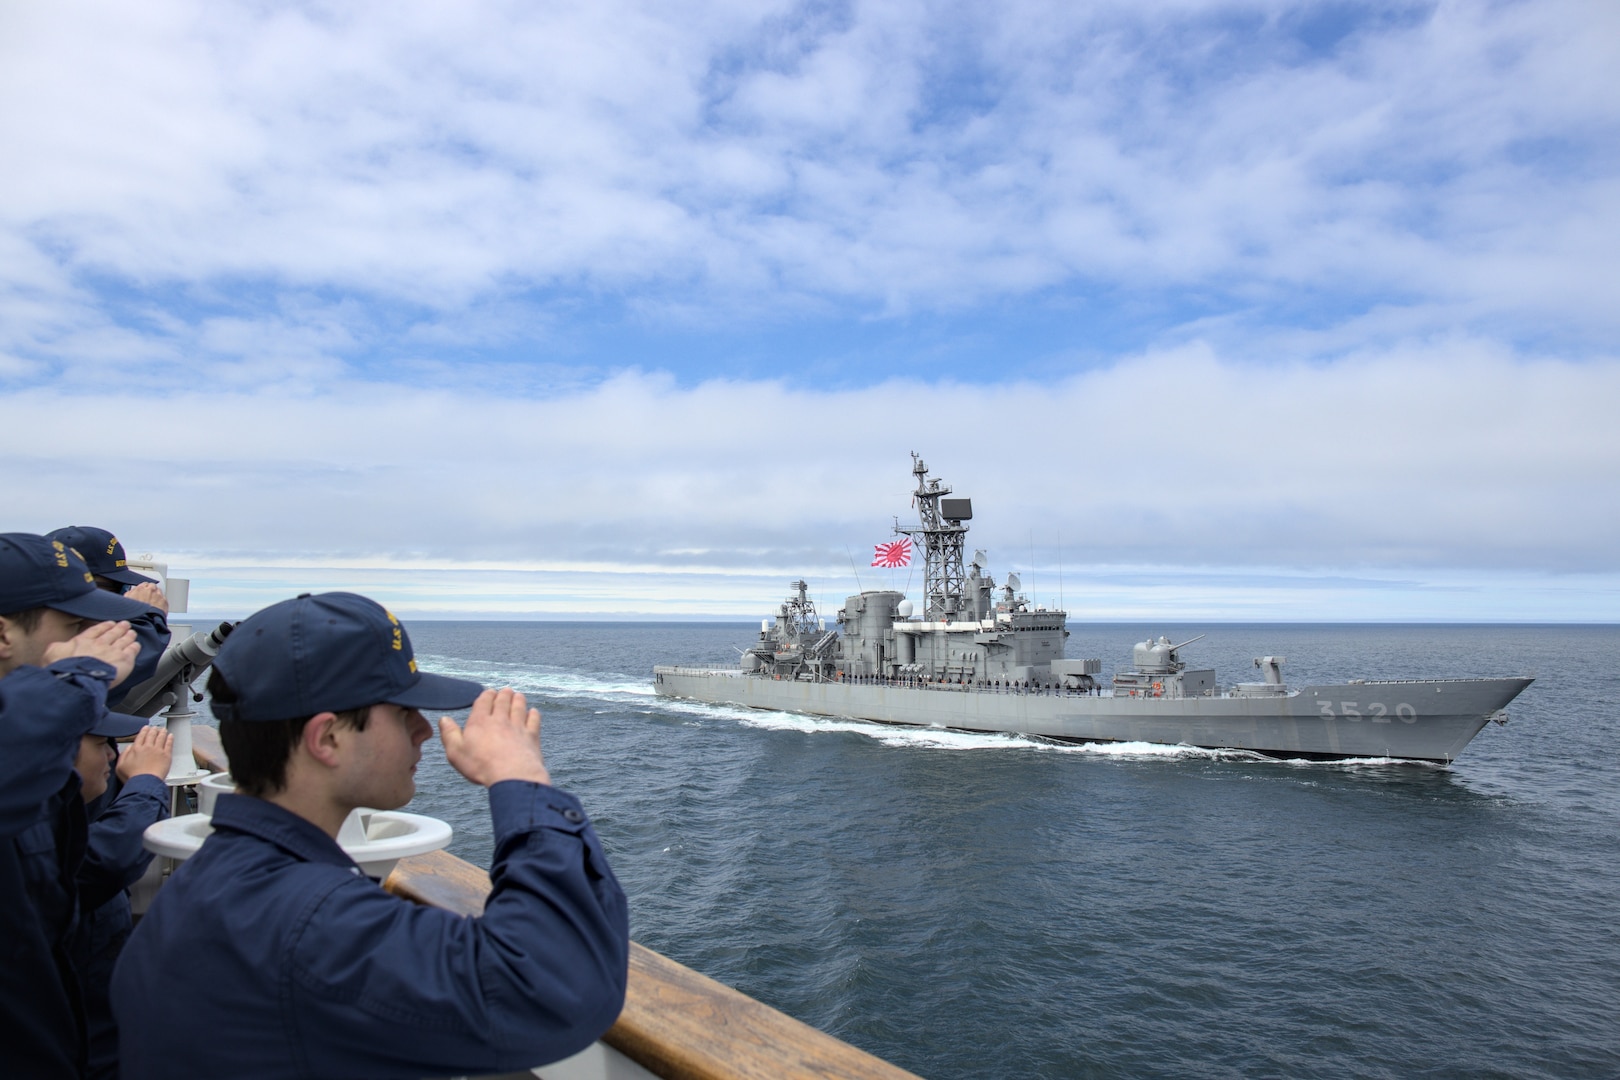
(104, 555)
(63, 644)
(272, 941)
(135, 796)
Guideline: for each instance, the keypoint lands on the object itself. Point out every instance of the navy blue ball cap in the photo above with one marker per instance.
(327, 653)
(101, 551)
(117, 725)
(36, 572)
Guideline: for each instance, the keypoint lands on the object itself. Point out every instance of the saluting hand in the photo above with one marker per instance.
(113, 643)
(501, 740)
(148, 755)
(147, 592)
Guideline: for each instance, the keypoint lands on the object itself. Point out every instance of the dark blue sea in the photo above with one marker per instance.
(980, 906)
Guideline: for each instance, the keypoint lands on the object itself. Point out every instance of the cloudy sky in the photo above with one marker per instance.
(1235, 310)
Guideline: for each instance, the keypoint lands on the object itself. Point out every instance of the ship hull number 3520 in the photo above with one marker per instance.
(1377, 712)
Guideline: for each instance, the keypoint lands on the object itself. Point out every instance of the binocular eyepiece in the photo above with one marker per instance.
(182, 662)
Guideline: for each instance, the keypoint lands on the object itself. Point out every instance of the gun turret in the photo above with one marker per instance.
(1160, 657)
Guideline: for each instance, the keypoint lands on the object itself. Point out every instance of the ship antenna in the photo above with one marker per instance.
(852, 566)
(942, 532)
(1060, 573)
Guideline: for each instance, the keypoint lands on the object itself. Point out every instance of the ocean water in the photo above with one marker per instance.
(986, 906)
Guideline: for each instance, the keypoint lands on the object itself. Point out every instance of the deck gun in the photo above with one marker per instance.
(1160, 657)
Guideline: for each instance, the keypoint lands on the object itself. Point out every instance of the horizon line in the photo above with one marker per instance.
(608, 619)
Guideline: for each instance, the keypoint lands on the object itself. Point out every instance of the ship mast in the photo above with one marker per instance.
(941, 532)
(799, 613)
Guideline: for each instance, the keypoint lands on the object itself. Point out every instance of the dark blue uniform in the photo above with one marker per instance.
(43, 714)
(114, 860)
(269, 954)
(152, 635)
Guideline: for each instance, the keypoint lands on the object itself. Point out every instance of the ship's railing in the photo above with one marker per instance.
(907, 683)
(676, 1023)
(1408, 682)
(671, 669)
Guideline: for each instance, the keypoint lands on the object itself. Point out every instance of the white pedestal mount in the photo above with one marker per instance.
(376, 839)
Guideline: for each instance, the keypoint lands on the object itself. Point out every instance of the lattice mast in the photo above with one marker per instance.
(798, 618)
(941, 534)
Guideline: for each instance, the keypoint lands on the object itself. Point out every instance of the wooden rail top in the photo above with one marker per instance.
(676, 1023)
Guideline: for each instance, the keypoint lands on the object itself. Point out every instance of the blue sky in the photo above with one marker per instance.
(1242, 310)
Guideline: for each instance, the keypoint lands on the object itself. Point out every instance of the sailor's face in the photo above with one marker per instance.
(94, 765)
(20, 647)
(385, 757)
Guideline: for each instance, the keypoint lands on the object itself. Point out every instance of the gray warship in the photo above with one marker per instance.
(982, 658)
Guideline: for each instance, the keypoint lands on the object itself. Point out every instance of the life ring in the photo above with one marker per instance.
(1158, 689)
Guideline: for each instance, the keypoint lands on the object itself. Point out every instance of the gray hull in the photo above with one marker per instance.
(1425, 720)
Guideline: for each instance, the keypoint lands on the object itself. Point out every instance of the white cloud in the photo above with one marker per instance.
(286, 228)
(1173, 458)
(909, 155)
(1163, 595)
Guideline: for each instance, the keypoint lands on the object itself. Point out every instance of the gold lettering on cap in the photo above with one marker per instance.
(412, 664)
(112, 544)
(399, 635)
(61, 553)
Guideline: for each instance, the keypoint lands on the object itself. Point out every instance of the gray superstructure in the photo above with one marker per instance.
(979, 657)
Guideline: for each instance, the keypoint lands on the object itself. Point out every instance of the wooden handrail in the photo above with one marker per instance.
(676, 1023)
(207, 750)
